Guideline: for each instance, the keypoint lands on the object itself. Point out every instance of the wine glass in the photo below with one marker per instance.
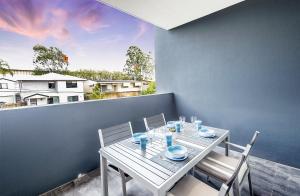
(193, 119)
(151, 133)
(182, 120)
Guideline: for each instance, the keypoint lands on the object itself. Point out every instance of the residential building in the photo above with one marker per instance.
(117, 88)
(41, 90)
(22, 71)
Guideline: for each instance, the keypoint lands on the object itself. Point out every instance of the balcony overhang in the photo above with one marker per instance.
(168, 14)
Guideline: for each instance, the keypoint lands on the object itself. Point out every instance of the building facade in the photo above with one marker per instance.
(41, 90)
(117, 88)
(22, 71)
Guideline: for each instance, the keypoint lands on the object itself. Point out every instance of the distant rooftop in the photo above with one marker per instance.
(16, 69)
(45, 77)
(117, 81)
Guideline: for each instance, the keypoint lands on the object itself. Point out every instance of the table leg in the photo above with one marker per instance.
(227, 146)
(104, 185)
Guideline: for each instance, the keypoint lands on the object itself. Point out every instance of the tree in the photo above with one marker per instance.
(99, 75)
(151, 89)
(49, 59)
(4, 68)
(96, 93)
(138, 64)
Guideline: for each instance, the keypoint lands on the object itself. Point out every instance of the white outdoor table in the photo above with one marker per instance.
(154, 176)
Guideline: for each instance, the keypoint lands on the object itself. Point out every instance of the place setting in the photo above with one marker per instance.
(175, 155)
(162, 147)
(204, 131)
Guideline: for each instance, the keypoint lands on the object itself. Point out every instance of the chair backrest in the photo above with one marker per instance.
(225, 188)
(115, 134)
(254, 138)
(250, 145)
(155, 121)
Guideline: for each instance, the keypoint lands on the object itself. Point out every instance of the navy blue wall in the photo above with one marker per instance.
(44, 147)
(239, 69)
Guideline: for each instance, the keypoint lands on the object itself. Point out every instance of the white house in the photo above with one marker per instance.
(117, 88)
(121, 86)
(40, 90)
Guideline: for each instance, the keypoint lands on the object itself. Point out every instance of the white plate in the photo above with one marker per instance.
(207, 134)
(169, 156)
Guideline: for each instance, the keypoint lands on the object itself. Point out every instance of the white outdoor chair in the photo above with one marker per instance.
(222, 167)
(155, 121)
(112, 135)
(191, 186)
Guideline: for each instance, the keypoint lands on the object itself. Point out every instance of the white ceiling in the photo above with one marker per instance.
(169, 14)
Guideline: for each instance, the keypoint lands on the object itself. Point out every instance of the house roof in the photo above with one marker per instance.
(29, 70)
(8, 79)
(45, 77)
(117, 81)
(36, 95)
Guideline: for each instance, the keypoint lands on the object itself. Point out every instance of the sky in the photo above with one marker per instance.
(93, 35)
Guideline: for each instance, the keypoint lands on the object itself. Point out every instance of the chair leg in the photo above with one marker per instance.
(236, 188)
(192, 171)
(123, 181)
(250, 184)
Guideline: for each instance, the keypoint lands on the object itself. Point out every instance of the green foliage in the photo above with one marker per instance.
(96, 93)
(50, 59)
(99, 75)
(138, 64)
(4, 68)
(151, 89)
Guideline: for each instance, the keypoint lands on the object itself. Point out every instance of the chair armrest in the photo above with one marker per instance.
(236, 145)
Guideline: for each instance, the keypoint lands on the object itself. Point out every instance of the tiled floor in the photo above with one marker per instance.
(93, 188)
(269, 179)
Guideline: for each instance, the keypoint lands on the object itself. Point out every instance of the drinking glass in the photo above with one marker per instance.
(143, 142)
(169, 139)
(193, 119)
(182, 120)
(151, 134)
(178, 127)
(198, 124)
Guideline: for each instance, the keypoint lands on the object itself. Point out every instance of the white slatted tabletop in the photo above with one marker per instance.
(151, 167)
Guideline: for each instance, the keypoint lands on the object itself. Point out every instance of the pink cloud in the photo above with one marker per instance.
(142, 29)
(88, 15)
(33, 19)
(90, 21)
(41, 19)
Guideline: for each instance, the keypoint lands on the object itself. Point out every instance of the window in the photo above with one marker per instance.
(18, 98)
(71, 84)
(33, 101)
(3, 86)
(104, 88)
(51, 85)
(53, 100)
(126, 85)
(137, 84)
(72, 98)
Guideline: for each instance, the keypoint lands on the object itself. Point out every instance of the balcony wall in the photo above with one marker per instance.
(239, 69)
(44, 147)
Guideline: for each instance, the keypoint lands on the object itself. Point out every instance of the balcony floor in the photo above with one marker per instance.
(269, 178)
(93, 187)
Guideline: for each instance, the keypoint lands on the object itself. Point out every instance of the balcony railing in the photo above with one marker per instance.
(44, 147)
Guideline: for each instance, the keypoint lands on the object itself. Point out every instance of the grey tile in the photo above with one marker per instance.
(268, 178)
(93, 188)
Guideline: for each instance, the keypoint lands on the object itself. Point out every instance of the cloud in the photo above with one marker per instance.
(89, 16)
(43, 19)
(142, 29)
(33, 19)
